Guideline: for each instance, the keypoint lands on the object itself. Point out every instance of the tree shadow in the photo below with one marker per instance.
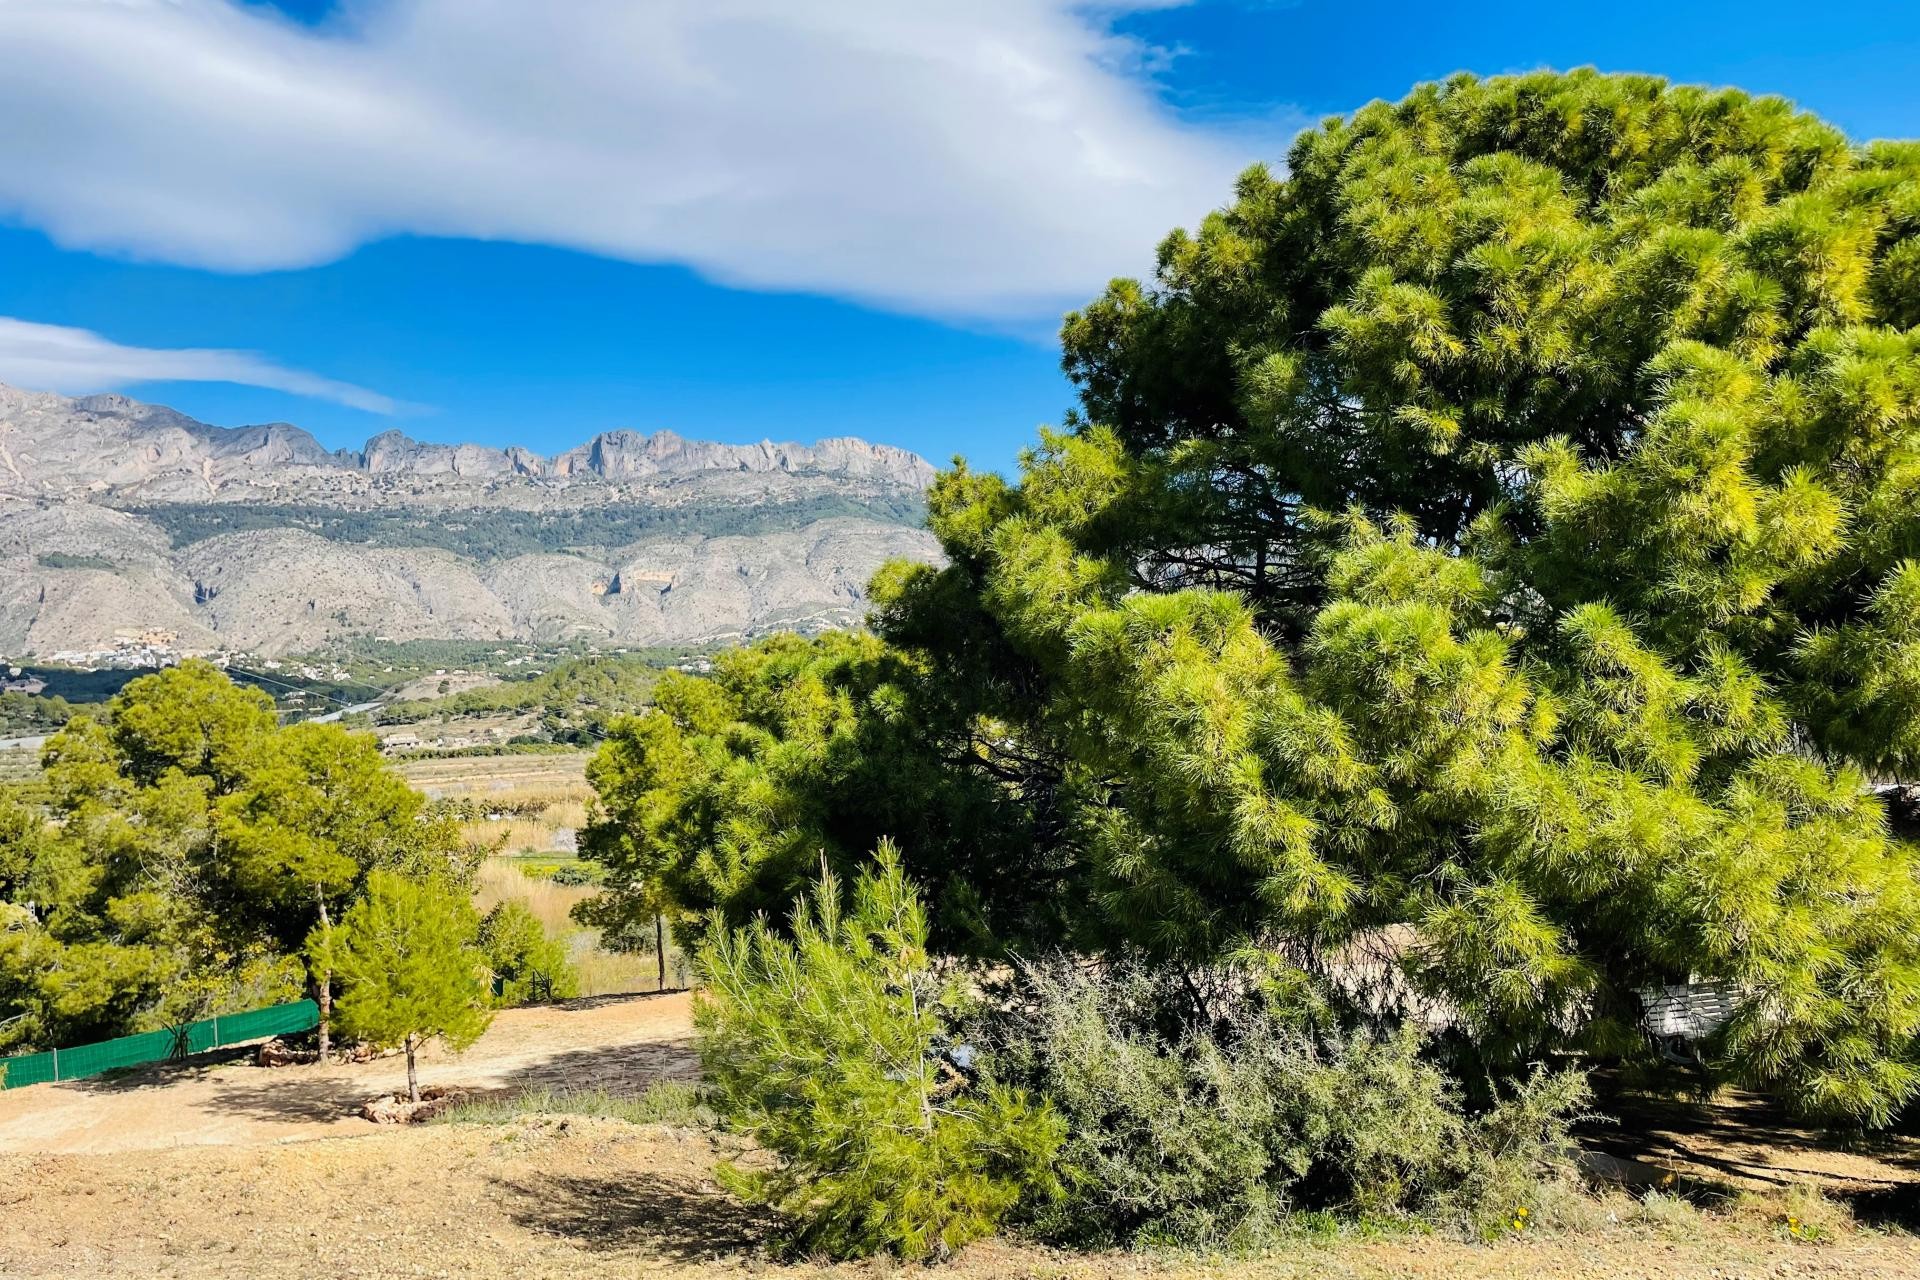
(1739, 1140)
(284, 1100)
(624, 1069)
(159, 1075)
(669, 1216)
(617, 997)
(288, 1096)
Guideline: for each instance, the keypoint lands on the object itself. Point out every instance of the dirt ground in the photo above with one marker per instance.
(591, 1199)
(622, 1043)
(238, 1171)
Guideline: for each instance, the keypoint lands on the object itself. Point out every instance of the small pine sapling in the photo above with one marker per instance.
(825, 1048)
(405, 954)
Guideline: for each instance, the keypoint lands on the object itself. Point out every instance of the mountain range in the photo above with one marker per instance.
(124, 523)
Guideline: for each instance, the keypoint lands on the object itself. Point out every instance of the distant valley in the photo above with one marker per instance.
(126, 526)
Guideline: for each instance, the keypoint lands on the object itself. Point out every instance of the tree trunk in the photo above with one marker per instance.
(324, 980)
(660, 946)
(413, 1081)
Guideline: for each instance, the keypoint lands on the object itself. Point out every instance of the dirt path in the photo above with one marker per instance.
(579, 1199)
(619, 1042)
(216, 1172)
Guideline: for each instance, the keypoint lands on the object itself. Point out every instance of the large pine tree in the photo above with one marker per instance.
(1502, 527)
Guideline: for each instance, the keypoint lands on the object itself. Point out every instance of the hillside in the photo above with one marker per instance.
(119, 519)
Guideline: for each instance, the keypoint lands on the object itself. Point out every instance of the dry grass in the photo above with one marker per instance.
(1800, 1212)
(675, 1103)
(552, 904)
(566, 813)
(602, 972)
(556, 775)
(545, 793)
(538, 797)
(517, 835)
(613, 972)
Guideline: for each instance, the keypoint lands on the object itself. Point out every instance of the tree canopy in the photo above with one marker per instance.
(406, 952)
(189, 846)
(1499, 527)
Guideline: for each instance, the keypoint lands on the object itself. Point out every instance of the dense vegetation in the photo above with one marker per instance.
(577, 699)
(32, 713)
(78, 684)
(1479, 586)
(496, 533)
(406, 952)
(192, 856)
(822, 1045)
(70, 689)
(380, 664)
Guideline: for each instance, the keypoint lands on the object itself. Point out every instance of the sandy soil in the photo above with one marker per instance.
(1742, 1142)
(587, 1199)
(619, 1042)
(231, 1170)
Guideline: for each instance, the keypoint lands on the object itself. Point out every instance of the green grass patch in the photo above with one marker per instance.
(668, 1102)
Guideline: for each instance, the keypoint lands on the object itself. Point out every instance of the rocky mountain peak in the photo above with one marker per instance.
(51, 444)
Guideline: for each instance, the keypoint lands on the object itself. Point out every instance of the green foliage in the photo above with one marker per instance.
(77, 684)
(189, 720)
(665, 1102)
(411, 973)
(823, 1049)
(186, 848)
(1216, 1132)
(28, 713)
(1499, 529)
(528, 964)
(729, 791)
(68, 560)
(579, 698)
(496, 533)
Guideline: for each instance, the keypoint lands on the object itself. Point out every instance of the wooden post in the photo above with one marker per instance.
(660, 946)
(325, 983)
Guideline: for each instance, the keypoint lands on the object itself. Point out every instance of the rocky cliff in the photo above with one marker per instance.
(118, 518)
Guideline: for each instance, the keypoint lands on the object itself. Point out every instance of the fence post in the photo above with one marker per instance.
(216, 1032)
(56, 1064)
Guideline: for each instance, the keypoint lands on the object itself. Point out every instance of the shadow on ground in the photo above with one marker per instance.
(1740, 1141)
(291, 1095)
(617, 997)
(288, 1099)
(629, 1068)
(159, 1075)
(671, 1217)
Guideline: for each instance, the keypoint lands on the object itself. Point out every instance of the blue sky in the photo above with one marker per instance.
(518, 223)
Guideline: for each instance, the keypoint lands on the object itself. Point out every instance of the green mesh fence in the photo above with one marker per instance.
(157, 1046)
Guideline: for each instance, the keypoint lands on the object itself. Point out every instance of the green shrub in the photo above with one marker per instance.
(69, 560)
(1213, 1131)
(824, 1048)
(527, 964)
(579, 873)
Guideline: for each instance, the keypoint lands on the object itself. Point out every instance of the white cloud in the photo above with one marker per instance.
(51, 357)
(987, 158)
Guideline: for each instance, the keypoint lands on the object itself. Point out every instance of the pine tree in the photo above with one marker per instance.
(405, 955)
(1498, 531)
(823, 1047)
(317, 810)
(527, 963)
